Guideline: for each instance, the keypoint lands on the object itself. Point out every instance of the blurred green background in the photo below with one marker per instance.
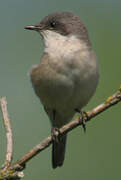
(91, 156)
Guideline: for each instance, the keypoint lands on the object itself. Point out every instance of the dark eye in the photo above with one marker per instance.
(53, 24)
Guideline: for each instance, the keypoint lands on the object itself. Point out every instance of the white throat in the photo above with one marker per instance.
(60, 45)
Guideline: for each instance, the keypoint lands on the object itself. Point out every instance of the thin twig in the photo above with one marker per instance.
(112, 100)
(15, 171)
(7, 125)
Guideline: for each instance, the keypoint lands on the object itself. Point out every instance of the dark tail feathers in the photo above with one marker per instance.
(58, 152)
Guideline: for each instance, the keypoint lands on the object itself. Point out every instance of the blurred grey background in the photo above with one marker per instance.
(94, 155)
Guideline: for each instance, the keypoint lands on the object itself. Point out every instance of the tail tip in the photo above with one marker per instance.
(55, 165)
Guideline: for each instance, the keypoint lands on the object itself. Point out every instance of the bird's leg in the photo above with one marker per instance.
(55, 130)
(82, 118)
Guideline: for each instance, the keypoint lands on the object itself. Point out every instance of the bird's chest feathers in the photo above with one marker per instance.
(67, 54)
(61, 47)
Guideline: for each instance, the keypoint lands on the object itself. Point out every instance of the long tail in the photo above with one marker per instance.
(58, 152)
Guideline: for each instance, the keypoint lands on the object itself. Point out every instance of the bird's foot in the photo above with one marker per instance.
(82, 118)
(54, 132)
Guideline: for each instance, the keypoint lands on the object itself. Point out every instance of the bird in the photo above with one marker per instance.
(68, 73)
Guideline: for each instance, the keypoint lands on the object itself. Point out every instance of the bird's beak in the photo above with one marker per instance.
(35, 28)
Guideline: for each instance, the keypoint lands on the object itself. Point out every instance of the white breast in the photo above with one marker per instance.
(58, 45)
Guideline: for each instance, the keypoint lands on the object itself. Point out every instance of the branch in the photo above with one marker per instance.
(112, 100)
(9, 137)
(15, 171)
